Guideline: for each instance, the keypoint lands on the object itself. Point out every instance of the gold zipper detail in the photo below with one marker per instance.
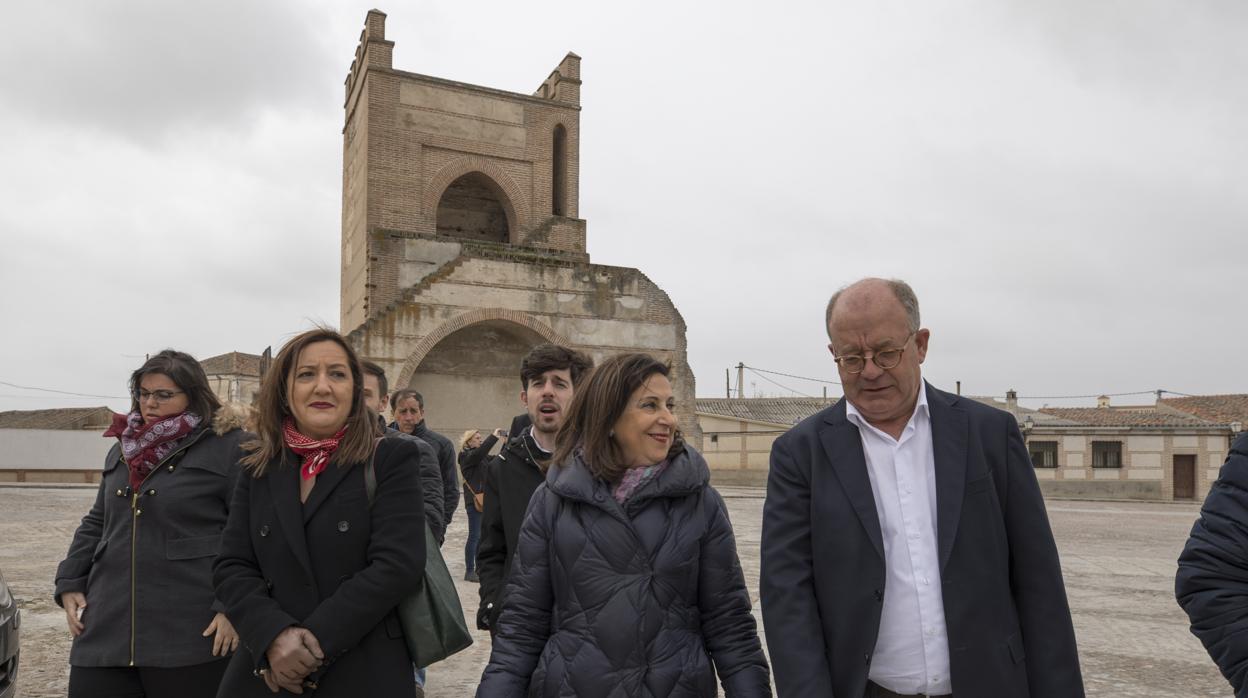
(135, 511)
(134, 533)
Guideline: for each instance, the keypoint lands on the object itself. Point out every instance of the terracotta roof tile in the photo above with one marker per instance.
(233, 363)
(59, 418)
(1111, 417)
(772, 410)
(1220, 409)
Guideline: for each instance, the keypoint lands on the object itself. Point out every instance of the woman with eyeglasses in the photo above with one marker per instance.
(315, 560)
(626, 580)
(136, 584)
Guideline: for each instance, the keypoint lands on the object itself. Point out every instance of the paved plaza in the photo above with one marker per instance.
(1118, 560)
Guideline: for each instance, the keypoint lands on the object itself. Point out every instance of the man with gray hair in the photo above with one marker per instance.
(905, 549)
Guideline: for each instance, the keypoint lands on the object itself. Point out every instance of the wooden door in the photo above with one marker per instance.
(1185, 476)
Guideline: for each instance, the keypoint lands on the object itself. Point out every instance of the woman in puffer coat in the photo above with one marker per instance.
(626, 581)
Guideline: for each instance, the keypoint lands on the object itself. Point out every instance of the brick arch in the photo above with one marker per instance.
(473, 317)
(514, 204)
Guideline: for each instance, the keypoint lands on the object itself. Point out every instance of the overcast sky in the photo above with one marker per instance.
(1065, 183)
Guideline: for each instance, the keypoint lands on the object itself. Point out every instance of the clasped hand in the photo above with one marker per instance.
(292, 655)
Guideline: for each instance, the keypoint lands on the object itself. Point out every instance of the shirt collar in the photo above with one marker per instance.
(921, 411)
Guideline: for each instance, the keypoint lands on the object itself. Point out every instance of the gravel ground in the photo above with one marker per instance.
(1118, 560)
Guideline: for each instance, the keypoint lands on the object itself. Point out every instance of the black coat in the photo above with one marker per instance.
(510, 479)
(627, 601)
(1212, 583)
(168, 532)
(472, 463)
(446, 463)
(1009, 627)
(332, 565)
(430, 481)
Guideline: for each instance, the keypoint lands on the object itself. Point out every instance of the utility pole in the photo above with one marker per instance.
(727, 383)
(740, 379)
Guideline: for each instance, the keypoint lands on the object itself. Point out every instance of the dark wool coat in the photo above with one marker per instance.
(332, 565)
(163, 539)
(636, 601)
(446, 464)
(1212, 583)
(510, 479)
(430, 480)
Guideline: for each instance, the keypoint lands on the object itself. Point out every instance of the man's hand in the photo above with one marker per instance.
(75, 602)
(483, 616)
(226, 640)
(292, 655)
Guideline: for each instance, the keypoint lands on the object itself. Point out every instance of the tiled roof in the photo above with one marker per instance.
(1220, 409)
(1112, 417)
(233, 363)
(1021, 413)
(772, 410)
(60, 418)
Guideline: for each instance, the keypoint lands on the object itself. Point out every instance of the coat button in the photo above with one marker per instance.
(171, 468)
(598, 497)
(264, 530)
(867, 656)
(120, 493)
(879, 595)
(151, 493)
(344, 526)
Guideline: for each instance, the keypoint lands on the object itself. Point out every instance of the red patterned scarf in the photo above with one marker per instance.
(316, 454)
(144, 445)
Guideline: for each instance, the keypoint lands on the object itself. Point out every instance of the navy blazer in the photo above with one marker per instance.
(822, 584)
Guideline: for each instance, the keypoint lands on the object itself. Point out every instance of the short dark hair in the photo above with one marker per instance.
(401, 395)
(373, 369)
(187, 374)
(552, 357)
(597, 406)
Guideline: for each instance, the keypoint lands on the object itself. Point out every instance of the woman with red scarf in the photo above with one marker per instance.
(135, 584)
(311, 567)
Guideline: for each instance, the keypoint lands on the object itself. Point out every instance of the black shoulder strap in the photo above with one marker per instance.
(370, 475)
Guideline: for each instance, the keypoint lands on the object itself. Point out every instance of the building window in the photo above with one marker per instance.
(1106, 454)
(1043, 453)
(559, 173)
(714, 438)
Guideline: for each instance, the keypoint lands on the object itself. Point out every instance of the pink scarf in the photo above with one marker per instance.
(144, 445)
(316, 454)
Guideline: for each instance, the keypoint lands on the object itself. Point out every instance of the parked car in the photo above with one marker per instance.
(10, 621)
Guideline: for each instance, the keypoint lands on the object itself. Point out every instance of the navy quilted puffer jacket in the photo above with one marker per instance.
(626, 602)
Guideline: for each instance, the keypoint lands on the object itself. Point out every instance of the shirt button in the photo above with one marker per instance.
(344, 526)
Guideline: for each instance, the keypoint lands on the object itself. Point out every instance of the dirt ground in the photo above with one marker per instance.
(1118, 560)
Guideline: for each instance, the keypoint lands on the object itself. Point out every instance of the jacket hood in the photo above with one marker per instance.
(231, 416)
(685, 474)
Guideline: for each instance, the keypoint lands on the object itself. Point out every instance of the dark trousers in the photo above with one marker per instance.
(474, 538)
(195, 681)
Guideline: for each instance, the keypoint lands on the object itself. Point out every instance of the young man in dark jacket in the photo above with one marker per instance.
(548, 377)
(409, 418)
(377, 397)
(1212, 583)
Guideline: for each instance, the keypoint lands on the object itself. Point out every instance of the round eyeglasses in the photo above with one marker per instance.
(884, 358)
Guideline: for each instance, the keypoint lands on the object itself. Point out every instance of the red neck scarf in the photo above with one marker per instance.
(316, 454)
(144, 445)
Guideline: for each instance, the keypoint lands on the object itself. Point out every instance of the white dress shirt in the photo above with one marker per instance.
(912, 649)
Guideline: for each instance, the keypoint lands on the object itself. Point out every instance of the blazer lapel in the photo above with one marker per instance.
(950, 427)
(284, 490)
(843, 446)
(326, 481)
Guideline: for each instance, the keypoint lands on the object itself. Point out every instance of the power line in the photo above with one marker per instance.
(790, 375)
(1073, 397)
(777, 384)
(62, 392)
